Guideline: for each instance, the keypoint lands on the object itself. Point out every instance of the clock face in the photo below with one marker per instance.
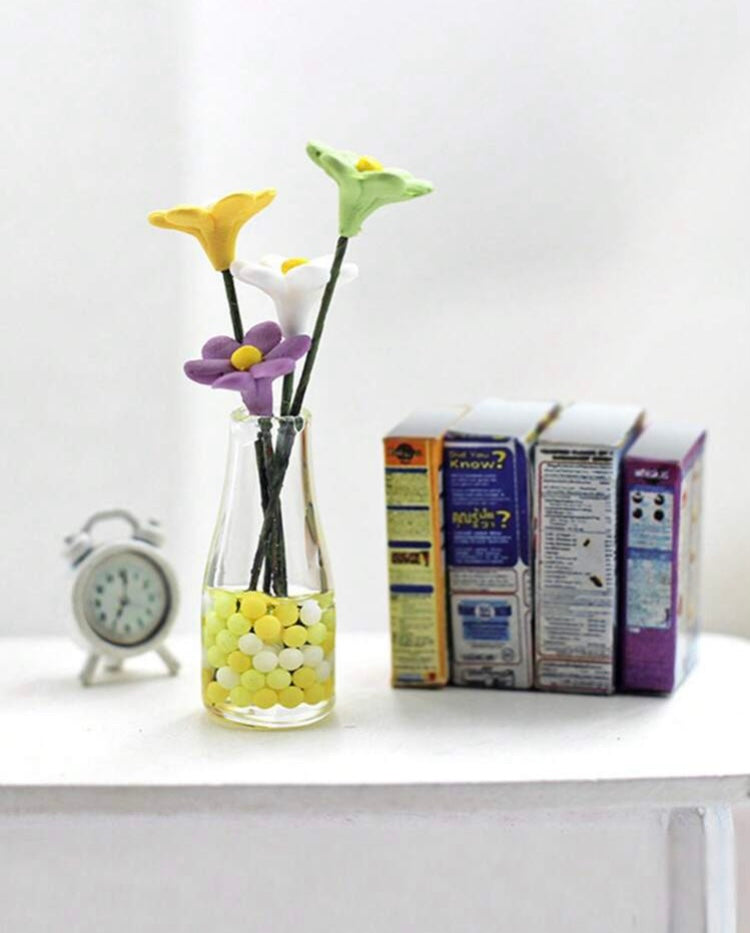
(126, 599)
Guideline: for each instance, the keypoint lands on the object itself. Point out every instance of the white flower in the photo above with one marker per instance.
(295, 285)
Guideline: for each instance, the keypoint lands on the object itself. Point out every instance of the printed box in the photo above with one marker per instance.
(413, 490)
(577, 479)
(662, 499)
(487, 471)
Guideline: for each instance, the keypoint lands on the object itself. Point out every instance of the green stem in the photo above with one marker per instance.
(234, 307)
(287, 390)
(304, 379)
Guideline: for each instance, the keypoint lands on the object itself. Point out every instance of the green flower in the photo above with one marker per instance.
(364, 185)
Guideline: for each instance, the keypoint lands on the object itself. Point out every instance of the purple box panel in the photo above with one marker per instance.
(661, 505)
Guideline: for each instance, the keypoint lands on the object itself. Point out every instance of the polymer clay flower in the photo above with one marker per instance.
(294, 284)
(216, 226)
(364, 185)
(251, 366)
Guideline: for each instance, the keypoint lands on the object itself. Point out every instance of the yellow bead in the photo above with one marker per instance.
(325, 600)
(278, 679)
(291, 697)
(295, 636)
(328, 643)
(224, 604)
(264, 698)
(316, 634)
(368, 164)
(238, 624)
(328, 688)
(287, 613)
(245, 356)
(240, 696)
(292, 263)
(215, 693)
(239, 662)
(213, 624)
(216, 657)
(329, 618)
(253, 680)
(207, 640)
(226, 641)
(207, 675)
(253, 606)
(268, 628)
(304, 677)
(314, 694)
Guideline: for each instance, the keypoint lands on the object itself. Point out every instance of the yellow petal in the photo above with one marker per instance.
(215, 227)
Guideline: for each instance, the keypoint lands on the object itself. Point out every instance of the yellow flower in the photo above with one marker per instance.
(216, 226)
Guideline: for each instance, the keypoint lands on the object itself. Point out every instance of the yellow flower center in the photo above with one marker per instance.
(292, 263)
(246, 356)
(368, 164)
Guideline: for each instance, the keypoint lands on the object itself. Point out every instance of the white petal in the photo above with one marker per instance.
(308, 277)
(269, 281)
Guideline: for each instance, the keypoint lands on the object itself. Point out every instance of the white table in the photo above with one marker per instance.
(125, 807)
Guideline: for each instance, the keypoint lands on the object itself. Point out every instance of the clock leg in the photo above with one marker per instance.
(89, 669)
(171, 662)
(114, 667)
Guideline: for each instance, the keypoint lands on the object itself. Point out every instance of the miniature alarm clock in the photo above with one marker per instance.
(124, 595)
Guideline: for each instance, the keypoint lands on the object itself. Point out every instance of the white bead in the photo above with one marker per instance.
(291, 658)
(227, 677)
(250, 644)
(265, 661)
(310, 612)
(323, 670)
(312, 654)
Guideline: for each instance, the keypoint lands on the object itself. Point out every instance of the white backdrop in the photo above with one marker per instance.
(587, 238)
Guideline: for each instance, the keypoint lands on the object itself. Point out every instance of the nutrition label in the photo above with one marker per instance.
(576, 583)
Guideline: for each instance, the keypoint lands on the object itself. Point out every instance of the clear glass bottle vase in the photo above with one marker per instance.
(268, 621)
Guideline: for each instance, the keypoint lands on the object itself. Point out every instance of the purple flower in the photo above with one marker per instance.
(251, 366)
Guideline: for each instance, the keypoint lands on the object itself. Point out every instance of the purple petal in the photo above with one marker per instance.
(206, 371)
(260, 402)
(249, 396)
(264, 336)
(219, 348)
(239, 381)
(293, 347)
(271, 369)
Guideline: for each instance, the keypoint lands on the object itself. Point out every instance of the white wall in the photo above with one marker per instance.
(587, 239)
(92, 125)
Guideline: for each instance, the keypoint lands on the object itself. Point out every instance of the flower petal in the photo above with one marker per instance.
(268, 280)
(308, 277)
(265, 336)
(239, 381)
(260, 402)
(219, 348)
(293, 347)
(348, 272)
(272, 369)
(206, 371)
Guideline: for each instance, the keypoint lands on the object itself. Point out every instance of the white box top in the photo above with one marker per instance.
(585, 424)
(427, 422)
(670, 442)
(495, 417)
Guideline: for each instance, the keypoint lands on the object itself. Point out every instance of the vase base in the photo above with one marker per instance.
(274, 718)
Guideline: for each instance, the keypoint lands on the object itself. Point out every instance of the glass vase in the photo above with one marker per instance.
(268, 620)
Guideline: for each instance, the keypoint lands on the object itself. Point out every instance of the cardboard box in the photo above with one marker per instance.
(662, 499)
(577, 480)
(413, 490)
(487, 471)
